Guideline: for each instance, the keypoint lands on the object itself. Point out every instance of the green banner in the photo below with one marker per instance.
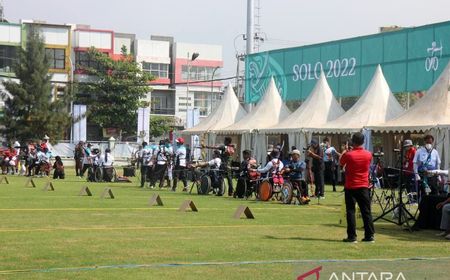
(411, 59)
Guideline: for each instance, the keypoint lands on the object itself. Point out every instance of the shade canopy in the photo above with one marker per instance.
(268, 112)
(227, 112)
(377, 105)
(432, 110)
(319, 108)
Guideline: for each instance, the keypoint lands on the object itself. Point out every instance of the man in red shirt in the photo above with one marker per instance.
(356, 164)
(408, 165)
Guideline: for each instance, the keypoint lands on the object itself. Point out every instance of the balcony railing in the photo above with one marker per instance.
(162, 111)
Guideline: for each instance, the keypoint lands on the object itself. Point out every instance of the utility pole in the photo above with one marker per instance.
(250, 37)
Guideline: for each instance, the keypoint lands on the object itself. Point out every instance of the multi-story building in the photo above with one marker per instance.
(10, 40)
(201, 92)
(83, 39)
(57, 40)
(154, 57)
(123, 40)
(169, 62)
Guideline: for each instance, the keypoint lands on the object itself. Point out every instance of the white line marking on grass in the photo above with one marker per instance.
(141, 208)
(139, 228)
(193, 264)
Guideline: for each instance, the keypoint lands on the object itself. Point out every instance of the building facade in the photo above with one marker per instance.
(192, 77)
(179, 84)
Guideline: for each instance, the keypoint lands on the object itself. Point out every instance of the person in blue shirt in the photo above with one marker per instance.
(427, 159)
(295, 168)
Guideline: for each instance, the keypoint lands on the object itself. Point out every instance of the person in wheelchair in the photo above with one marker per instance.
(106, 161)
(273, 168)
(295, 169)
(42, 162)
(246, 185)
(93, 163)
(214, 171)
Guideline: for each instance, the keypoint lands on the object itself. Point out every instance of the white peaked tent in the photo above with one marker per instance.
(319, 108)
(433, 110)
(430, 114)
(377, 105)
(227, 113)
(269, 111)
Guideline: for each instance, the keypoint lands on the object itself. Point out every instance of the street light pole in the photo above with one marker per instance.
(71, 99)
(212, 89)
(189, 59)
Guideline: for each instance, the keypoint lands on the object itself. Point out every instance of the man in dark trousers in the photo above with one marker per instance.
(316, 153)
(356, 164)
(226, 154)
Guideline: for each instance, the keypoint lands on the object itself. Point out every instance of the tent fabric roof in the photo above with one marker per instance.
(227, 112)
(319, 108)
(268, 112)
(432, 110)
(375, 106)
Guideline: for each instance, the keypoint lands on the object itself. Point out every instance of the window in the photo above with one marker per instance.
(56, 58)
(203, 101)
(8, 55)
(82, 60)
(198, 73)
(156, 69)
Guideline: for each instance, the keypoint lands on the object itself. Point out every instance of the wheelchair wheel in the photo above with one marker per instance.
(98, 174)
(205, 185)
(241, 188)
(286, 193)
(113, 175)
(265, 190)
(220, 191)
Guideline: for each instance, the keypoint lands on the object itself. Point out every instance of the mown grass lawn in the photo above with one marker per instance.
(61, 235)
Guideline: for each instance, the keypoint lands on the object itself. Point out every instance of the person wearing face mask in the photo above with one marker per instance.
(426, 159)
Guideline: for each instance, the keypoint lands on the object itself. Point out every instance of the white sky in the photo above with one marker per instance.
(285, 23)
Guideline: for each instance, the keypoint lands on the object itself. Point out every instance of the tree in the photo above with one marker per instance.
(160, 125)
(115, 95)
(31, 110)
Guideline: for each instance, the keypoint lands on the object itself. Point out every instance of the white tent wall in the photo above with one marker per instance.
(260, 147)
(211, 141)
(442, 145)
(246, 142)
(389, 143)
(299, 139)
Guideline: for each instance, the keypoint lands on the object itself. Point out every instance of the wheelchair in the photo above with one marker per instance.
(275, 188)
(207, 181)
(247, 184)
(102, 174)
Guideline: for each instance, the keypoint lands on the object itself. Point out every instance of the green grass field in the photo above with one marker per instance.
(61, 235)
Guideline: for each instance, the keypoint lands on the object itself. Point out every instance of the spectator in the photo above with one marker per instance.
(58, 167)
(426, 159)
(408, 167)
(316, 153)
(445, 220)
(330, 159)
